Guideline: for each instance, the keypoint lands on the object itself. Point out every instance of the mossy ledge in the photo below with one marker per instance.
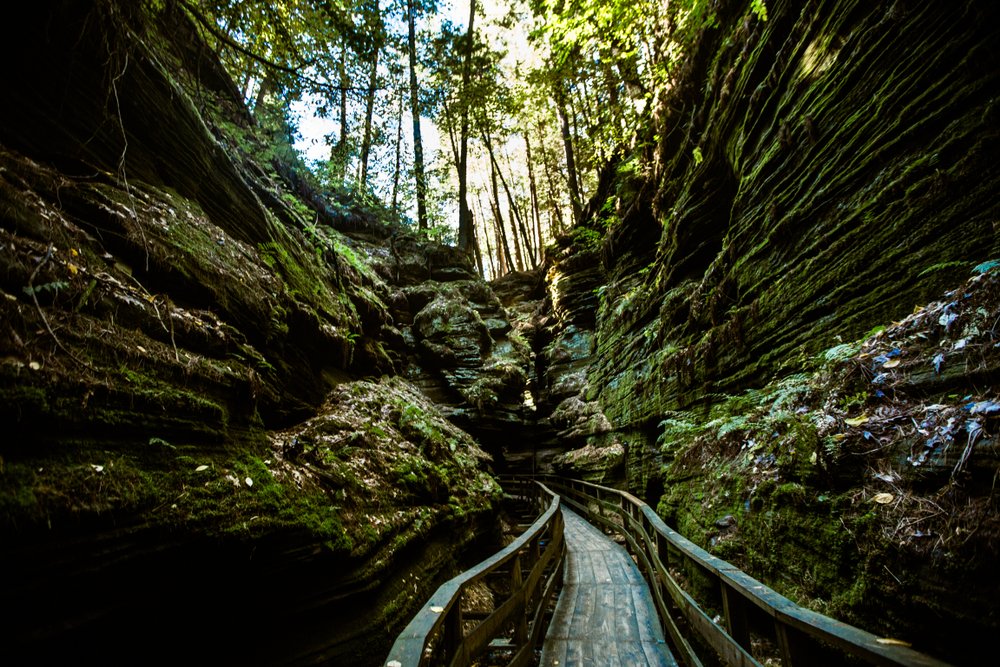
(806, 179)
(202, 443)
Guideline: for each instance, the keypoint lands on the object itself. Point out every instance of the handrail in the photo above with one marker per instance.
(527, 602)
(794, 627)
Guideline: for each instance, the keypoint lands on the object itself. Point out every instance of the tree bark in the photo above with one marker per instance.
(555, 211)
(529, 246)
(490, 261)
(450, 124)
(475, 245)
(465, 223)
(516, 222)
(574, 187)
(399, 150)
(265, 87)
(338, 156)
(501, 231)
(366, 145)
(418, 147)
(536, 214)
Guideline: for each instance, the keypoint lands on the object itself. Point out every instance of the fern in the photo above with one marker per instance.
(986, 266)
(51, 287)
(832, 447)
(787, 389)
(839, 353)
(735, 424)
(676, 429)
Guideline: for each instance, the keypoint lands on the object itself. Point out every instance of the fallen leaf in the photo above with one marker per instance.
(813, 458)
(72, 269)
(141, 348)
(917, 309)
(437, 610)
(883, 498)
(938, 360)
(857, 421)
(96, 467)
(73, 252)
(249, 481)
(893, 642)
(35, 366)
(200, 468)
(984, 407)
(892, 363)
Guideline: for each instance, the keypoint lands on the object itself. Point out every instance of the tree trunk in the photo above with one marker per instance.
(516, 222)
(475, 245)
(614, 102)
(338, 156)
(399, 150)
(450, 124)
(534, 200)
(366, 145)
(490, 261)
(529, 247)
(465, 223)
(502, 232)
(593, 117)
(418, 147)
(574, 187)
(266, 86)
(555, 211)
(503, 253)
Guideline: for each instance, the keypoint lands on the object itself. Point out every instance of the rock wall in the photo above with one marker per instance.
(193, 461)
(805, 179)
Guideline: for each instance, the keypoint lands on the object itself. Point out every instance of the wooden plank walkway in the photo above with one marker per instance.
(605, 615)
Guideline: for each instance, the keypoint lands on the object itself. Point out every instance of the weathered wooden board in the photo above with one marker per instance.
(605, 614)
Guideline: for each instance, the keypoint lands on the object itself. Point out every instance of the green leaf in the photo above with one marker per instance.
(986, 266)
(759, 9)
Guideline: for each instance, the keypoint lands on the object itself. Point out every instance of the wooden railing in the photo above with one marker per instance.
(746, 603)
(436, 634)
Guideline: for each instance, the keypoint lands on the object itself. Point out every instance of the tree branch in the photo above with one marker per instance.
(228, 41)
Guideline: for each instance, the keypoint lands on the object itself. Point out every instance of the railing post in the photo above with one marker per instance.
(794, 650)
(453, 634)
(520, 623)
(661, 548)
(735, 609)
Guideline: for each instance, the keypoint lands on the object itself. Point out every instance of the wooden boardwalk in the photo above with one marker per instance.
(605, 616)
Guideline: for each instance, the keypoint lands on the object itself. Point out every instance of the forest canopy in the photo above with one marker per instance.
(511, 107)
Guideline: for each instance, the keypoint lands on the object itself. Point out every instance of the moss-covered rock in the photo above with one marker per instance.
(805, 179)
(174, 292)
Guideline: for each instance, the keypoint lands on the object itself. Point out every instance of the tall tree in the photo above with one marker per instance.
(374, 18)
(339, 153)
(418, 147)
(465, 222)
(574, 185)
(498, 217)
(399, 151)
(535, 214)
(555, 214)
